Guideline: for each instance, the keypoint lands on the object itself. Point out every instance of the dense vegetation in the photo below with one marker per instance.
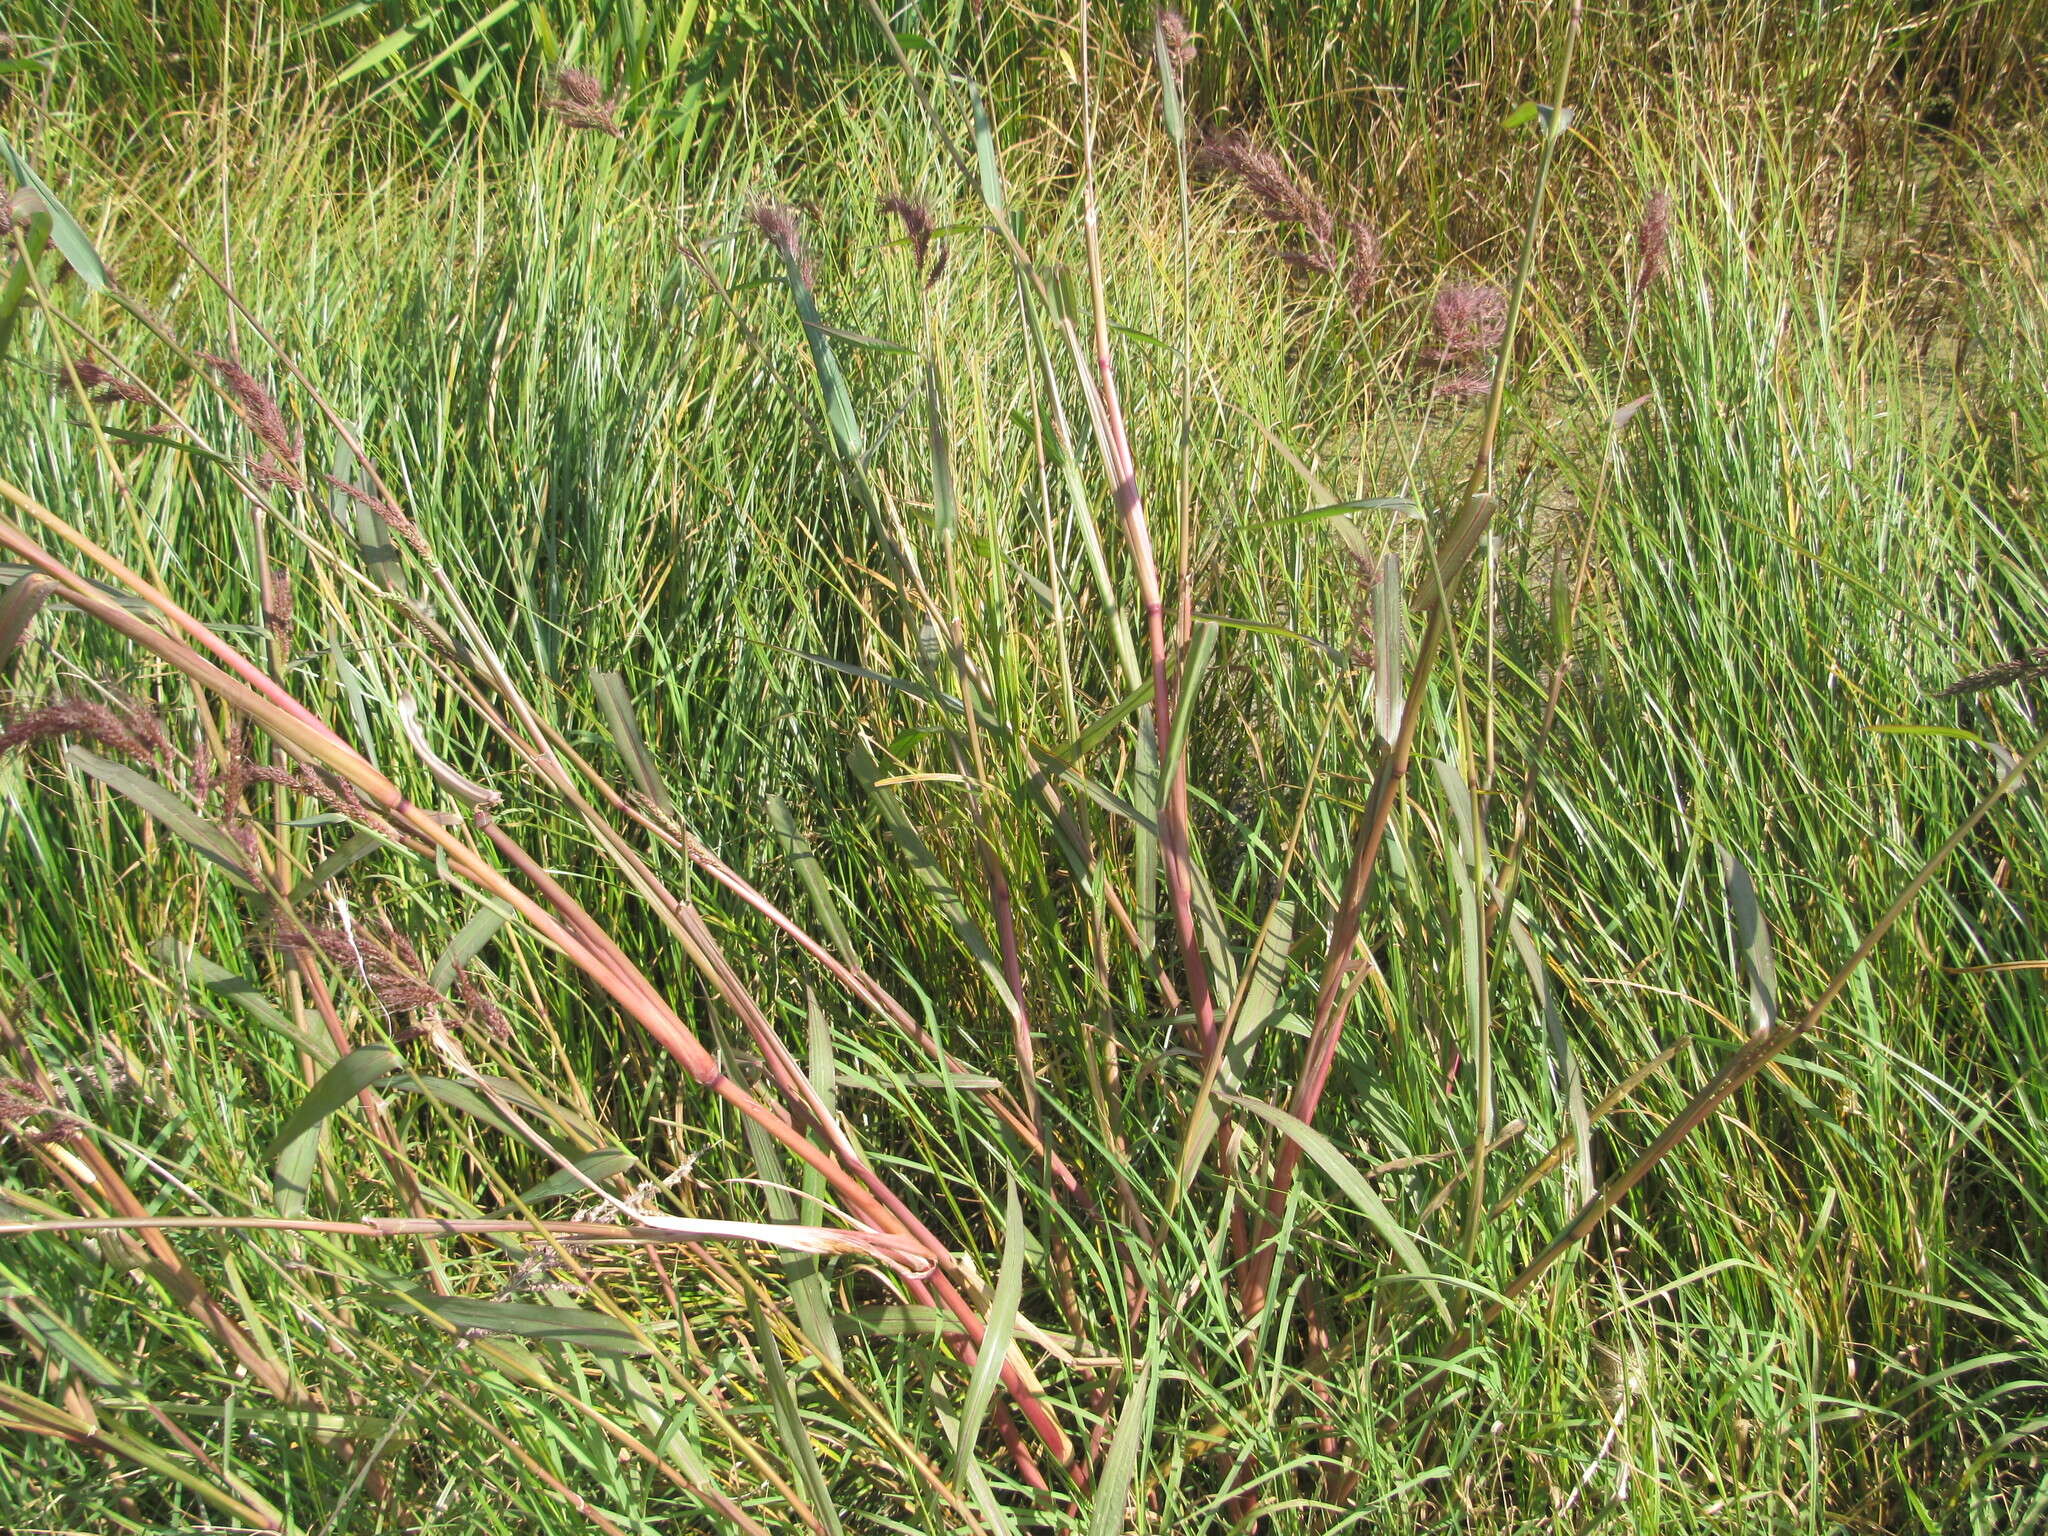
(1256, 714)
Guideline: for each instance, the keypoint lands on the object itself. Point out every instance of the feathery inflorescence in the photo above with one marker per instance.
(580, 102)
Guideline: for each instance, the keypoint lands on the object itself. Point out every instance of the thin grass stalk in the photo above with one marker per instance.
(558, 920)
(1454, 554)
(1174, 844)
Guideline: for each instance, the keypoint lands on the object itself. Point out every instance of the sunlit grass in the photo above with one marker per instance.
(581, 371)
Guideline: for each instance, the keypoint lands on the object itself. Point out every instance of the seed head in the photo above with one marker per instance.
(375, 954)
(481, 1009)
(20, 1102)
(1653, 242)
(778, 224)
(1468, 319)
(917, 229)
(2021, 669)
(1263, 174)
(130, 730)
(1362, 262)
(1179, 41)
(1322, 263)
(277, 604)
(1464, 386)
(580, 101)
(336, 793)
(263, 416)
(385, 513)
(100, 385)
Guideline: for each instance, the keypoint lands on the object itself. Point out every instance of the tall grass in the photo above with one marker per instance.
(789, 601)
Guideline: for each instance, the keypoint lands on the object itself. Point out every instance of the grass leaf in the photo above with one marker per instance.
(211, 843)
(70, 237)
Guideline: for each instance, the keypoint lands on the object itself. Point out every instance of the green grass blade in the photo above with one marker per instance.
(999, 1326)
(1340, 1171)
(70, 237)
(208, 840)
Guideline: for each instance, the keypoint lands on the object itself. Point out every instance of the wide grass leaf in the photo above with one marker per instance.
(212, 844)
(537, 1322)
(998, 1328)
(294, 1150)
(1324, 1153)
(70, 237)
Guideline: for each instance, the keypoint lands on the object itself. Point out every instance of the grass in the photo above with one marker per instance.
(783, 599)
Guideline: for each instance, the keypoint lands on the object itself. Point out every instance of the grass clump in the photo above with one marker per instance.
(1064, 787)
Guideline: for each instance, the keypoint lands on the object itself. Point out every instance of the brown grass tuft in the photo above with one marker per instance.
(1468, 319)
(260, 412)
(580, 102)
(130, 730)
(100, 385)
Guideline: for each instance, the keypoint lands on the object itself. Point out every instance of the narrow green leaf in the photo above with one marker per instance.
(373, 540)
(1752, 943)
(1564, 1060)
(459, 1097)
(1169, 85)
(11, 572)
(561, 1127)
(595, 1166)
(1100, 729)
(998, 1328)
(930, 874)
(538, 1322)
(361, 1068)
(807, 1290)
(903, 1320)
(1404, 504)
(1106, 1515)
(389, 46)
(1262, 1007)
(896, 684)
(1201, 648)
(789, 1419)
(186, 446)
(797, 849)
(617, 705)
(847, 437)
(955, 1082)
(359, 845)
(467, 944)
(243, 993)
(295, 1150)
(864, 342)
(1324, 1154)
(945, 497)
(291, 1176)
(985, 156)
(34, 1319)
(1390, 647)
(212, 844)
